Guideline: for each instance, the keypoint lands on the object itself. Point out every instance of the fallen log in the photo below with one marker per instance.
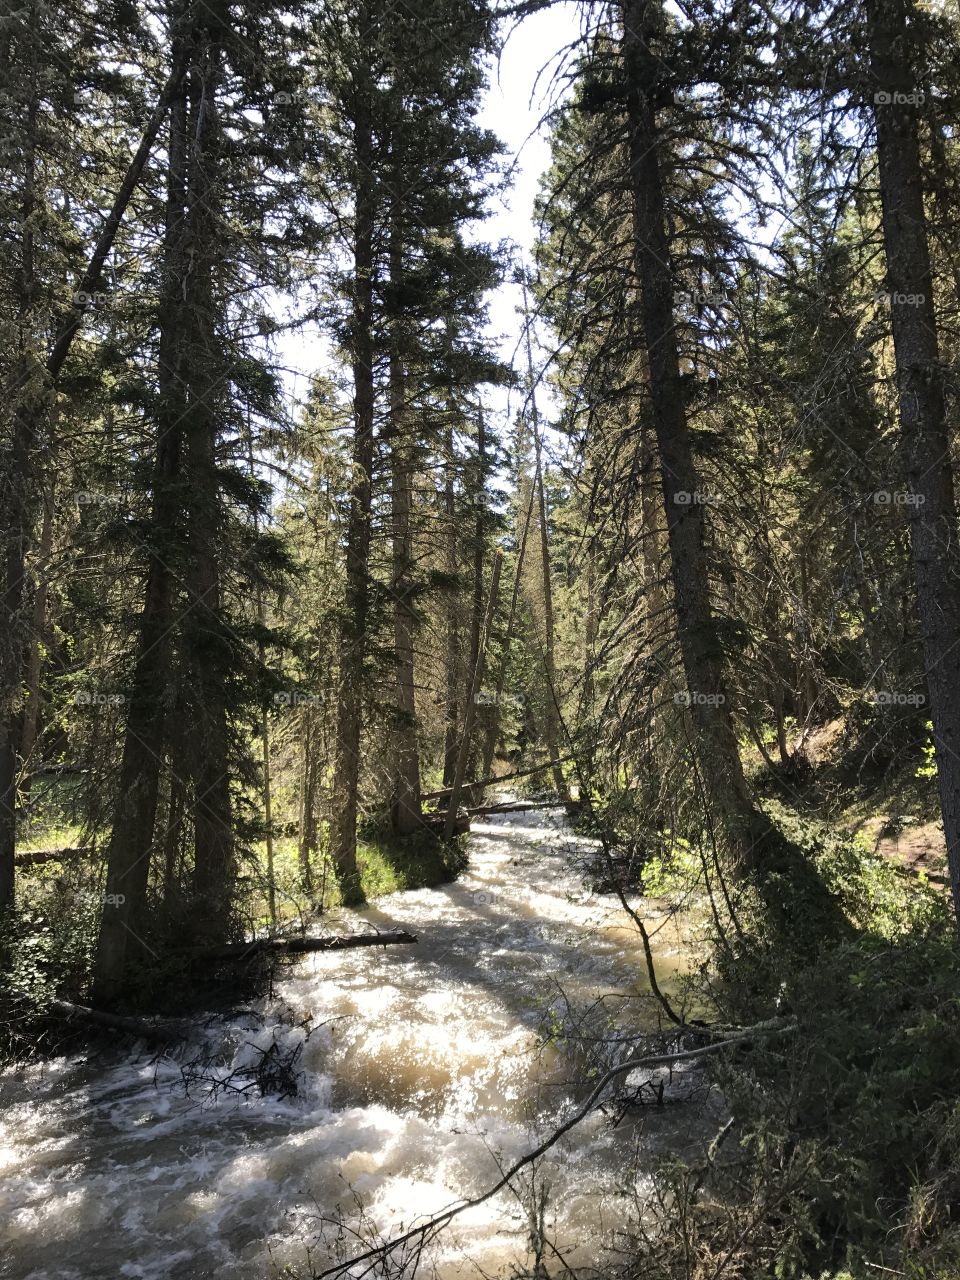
(502, 777)
(298, 946)
(34, 857)
(165, 1030)
(436, 823)
(516, 806)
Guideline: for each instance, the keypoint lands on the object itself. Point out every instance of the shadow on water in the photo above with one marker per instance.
(433, 1061)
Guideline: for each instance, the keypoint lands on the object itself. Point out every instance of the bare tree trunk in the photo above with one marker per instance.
(479, 539)
(308, 801)
(406, 811)
(552, 712)
(475, 683)
(32, 395)
(551, 718)
(718, 754)
(590, 633)
(452, 625)
(347, 774)
(492, 729)
(129, 851)
(171, 839)
(31, 710)
(17, 499)
(924, 439)
(264, 720)
(208, 647)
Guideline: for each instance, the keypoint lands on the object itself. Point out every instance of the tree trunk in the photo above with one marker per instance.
(207, 650)
(171, 841)
(17, 500)
(451, 717)
(551, 715)
(31, 710)
(475, 683)
(32, 392)
(552, 711)
(128, 854)
(479, 539)
(492, 728)
(716, 745)
(264, 718)
(308, 802)
(406, 814)
(356, 605)
(924, 439)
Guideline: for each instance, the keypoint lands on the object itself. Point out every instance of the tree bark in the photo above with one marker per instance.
(551, 716)
(129, 851)
(475, 683)
(924, 438)
(503, 777)
(716, 744)
(493, 727)
(356, 605)
(33, 390)
(451, 716)
(406, 811)
(18, 501)
(308, 801)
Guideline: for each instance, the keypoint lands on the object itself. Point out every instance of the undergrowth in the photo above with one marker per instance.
(844, 1154)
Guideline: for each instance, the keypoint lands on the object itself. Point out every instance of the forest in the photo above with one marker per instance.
(479, 639)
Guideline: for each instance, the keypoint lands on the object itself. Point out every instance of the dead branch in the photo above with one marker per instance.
(503, 777)
(441, 1220)
(166, 1029)
(515, 806)
(298, 946)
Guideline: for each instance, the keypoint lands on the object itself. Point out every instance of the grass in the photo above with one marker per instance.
(387, 864)
(391, 864)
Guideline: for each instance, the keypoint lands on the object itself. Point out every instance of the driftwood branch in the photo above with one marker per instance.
(298, 946)
(377, 1254)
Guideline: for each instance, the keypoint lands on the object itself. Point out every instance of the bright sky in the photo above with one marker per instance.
(520, 92)
(519, 95)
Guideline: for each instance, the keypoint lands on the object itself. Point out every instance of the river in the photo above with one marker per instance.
(435, 1064)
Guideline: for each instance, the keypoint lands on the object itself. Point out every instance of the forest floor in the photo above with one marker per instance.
(895, 814)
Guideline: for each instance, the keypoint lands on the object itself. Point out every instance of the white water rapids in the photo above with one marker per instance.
(433, 1072)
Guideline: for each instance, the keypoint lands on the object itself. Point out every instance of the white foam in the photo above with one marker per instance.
(429, 1080)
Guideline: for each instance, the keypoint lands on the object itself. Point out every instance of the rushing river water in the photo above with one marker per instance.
(432, 1070)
